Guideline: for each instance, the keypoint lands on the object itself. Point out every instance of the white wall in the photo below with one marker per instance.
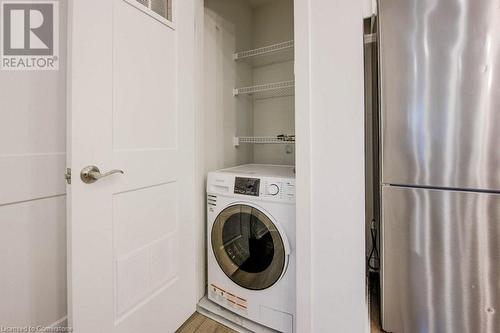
(273, 23)
(32, 194)
(330, 166)
(223, 27)
(228, 27)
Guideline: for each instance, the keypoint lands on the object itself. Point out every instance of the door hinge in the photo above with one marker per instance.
(67, 176)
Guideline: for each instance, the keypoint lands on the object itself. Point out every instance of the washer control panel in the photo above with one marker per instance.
(265, 188)
(278, 189)
(273, 189)
(247, 186)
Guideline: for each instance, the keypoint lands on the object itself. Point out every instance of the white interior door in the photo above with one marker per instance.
(131, 107)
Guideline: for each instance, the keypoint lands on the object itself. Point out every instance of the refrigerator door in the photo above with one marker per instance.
(440, 93)
(441, 261)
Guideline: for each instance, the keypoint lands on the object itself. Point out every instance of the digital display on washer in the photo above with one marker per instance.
(247, 186)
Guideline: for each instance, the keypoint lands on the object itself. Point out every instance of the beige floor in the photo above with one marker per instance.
(198, 323)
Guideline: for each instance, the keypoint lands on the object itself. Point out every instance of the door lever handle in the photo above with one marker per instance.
(91, 174)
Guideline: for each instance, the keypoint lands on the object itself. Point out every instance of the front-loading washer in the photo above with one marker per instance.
(251, 240)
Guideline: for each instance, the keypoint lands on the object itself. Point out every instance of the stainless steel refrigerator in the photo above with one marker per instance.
(440, 165)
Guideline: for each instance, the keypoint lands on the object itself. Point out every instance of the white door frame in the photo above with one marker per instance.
(329, 99)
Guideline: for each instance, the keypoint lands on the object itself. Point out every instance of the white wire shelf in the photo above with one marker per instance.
(280, 139)
(268, 90)
(279, 52)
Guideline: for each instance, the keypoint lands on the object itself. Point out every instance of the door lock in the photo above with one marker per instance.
(91, 174)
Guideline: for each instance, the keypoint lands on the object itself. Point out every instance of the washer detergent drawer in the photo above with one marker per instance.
(280, 321)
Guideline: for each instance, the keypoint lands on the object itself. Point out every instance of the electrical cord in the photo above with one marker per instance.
(374, 257)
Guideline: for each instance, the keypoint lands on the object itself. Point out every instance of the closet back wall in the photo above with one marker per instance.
(273, 23)
(228, 27)
(32, 194)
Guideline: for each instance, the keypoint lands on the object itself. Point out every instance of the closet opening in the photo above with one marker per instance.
(246, 163)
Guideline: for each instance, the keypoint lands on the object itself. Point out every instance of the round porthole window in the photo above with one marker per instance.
(248, 247)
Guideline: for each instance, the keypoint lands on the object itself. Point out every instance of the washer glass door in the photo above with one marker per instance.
(248, 247)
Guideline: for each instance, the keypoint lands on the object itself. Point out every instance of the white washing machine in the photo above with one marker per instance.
(251, 240)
